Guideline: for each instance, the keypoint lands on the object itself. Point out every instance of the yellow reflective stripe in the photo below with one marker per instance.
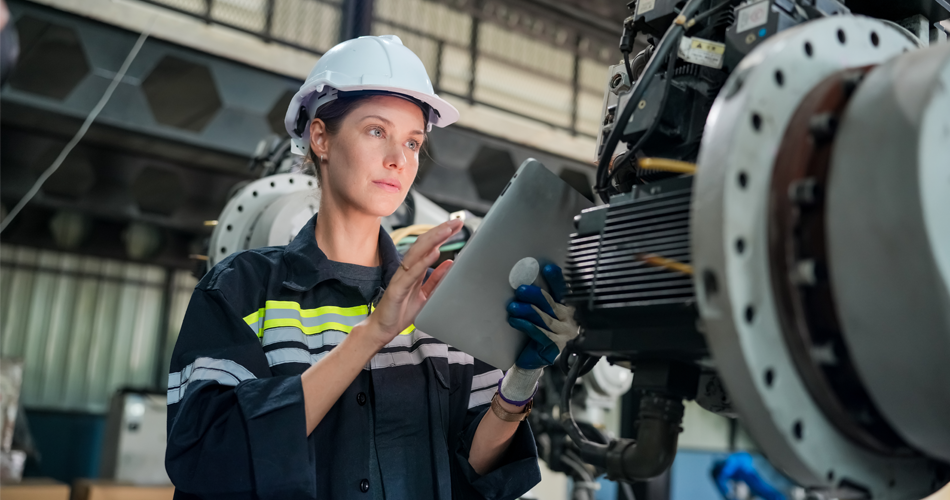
(309, 330)
(252, 318)
(407, 331)
(310, 313)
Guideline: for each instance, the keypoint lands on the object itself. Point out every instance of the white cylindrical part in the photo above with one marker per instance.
(525, 272)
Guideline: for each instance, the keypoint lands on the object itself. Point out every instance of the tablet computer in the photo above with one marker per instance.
(533, 217)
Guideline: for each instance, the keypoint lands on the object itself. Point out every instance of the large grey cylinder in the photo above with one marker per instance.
(888, 220)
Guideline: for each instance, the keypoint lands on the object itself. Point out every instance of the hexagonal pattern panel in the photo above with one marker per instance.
(74, 178)
(52, 61)
(157, 190)
(275, 117)
(181, 94)
(490, 171)
(578, 181)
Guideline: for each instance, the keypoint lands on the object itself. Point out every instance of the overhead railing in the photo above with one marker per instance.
(547, 68)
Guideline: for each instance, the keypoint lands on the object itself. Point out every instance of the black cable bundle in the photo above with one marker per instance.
(665, 51)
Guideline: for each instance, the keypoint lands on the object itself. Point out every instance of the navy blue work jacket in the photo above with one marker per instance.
(236, 418)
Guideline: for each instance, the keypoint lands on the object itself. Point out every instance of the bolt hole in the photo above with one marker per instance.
(254, 194)
(743, 180)
(230, 227)
(710, 284)
(831, 475)
(808, 49)
(798, 430)
(291, 181)
(841, 37)
(272, 184)
(875, 40)
(769, 377)
(749, 314)
(756, 122)
(240, 208)
(740, 245)
(224, 250)
(310, 183)
(779, 78)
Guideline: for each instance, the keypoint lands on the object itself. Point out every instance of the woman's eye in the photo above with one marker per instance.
(413, 145)
(376, 132)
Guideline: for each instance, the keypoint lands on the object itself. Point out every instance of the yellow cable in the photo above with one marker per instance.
(659, 261)
(667, 165)
(414, 230)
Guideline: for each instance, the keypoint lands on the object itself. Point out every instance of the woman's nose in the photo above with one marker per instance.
(396, 157)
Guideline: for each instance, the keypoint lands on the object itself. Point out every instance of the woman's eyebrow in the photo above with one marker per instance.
(390, 123)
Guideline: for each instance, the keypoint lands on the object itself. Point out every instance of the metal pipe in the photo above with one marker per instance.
(652, 453)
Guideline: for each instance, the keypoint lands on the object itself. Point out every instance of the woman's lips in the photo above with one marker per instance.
(389, 185)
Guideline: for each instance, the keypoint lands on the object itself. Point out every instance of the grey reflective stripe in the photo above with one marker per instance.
(256, 326)
(460, 358)
(404, 358)
(222, 371)
(408, 340)
(487, 379)
(482, 397)
(288, 355)
(294, 334)
(292, 355)
(335, 337)
(272, 313)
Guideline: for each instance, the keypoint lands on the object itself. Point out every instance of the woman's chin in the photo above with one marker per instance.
(379, 209)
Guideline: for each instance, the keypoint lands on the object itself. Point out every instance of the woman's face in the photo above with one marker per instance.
(373, 158)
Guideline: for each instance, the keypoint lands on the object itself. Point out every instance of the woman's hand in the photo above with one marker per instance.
(407, 293)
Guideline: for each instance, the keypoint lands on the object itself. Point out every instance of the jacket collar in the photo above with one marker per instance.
(308, 265)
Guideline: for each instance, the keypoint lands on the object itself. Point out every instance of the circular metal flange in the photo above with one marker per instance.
(731, 257)
(237, 220)
(280, 222)
(805, 300)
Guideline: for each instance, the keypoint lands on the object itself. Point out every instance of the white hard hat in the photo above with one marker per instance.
(367, 63)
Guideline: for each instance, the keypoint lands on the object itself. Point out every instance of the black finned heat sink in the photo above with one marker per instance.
(626, 305)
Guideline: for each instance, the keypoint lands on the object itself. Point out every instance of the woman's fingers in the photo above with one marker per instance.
(435, 278)
(432, 239)
(410, 277)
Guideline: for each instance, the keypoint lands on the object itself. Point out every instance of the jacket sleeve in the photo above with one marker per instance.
(518, 470)
(234, 431)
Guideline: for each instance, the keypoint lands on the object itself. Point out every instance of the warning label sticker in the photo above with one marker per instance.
(645, 6)
(703, 52)
(752, 16)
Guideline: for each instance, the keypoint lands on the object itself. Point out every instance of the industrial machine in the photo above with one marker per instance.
(775, 242)
(776, 239)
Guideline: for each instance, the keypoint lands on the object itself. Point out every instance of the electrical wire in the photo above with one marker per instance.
(574, 462)
(667, 165)
(627, 490)
(626, 64)
(668, 43)
(671, 65)
(670, 264)
(591, 452)
(82, 130)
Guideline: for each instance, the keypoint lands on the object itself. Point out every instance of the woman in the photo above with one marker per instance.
(298, 373)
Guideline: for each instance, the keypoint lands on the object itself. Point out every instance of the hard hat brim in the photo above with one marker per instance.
(444, 114)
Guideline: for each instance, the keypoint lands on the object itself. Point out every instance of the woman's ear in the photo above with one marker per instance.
(319, 138)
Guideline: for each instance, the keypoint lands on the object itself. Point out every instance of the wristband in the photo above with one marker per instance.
(516, 403)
